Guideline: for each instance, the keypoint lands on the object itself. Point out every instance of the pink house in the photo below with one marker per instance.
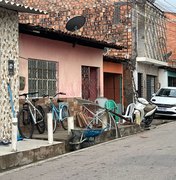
(53, 61)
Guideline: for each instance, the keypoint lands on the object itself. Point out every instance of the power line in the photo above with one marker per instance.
(170, 4)
(164, 5)
(152, 21)
(139, 16)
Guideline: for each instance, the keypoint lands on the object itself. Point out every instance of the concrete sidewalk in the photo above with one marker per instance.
(38, 148)
(28, 151)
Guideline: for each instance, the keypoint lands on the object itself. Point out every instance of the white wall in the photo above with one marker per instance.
(163, 77)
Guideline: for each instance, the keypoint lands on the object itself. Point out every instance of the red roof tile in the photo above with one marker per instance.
(99, 19)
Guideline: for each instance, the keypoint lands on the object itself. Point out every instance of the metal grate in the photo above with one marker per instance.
(89, 82)
(155, 32)
(172, 81)
(150, 86)
(85, 82)
(42, 77)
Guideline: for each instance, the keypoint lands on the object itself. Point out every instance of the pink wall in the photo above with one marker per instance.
(69, 58)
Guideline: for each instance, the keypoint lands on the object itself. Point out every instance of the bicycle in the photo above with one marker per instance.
(29, 116)
(61, 113)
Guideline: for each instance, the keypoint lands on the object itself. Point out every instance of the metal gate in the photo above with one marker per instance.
(150, 86)
(90, 83)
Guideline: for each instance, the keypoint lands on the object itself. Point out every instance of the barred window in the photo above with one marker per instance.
(42, 77)
(150, 86)
(171, 81)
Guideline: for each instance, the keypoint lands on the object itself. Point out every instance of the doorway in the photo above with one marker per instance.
(113, 87)
(90, 82)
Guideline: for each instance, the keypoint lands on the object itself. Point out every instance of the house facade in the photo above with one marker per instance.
(41, 56)
(156, 65)
(138, 25)
(101, 28)
(151, 49)
(53, 61)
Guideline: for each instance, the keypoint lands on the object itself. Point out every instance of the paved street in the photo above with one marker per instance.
(149, 155)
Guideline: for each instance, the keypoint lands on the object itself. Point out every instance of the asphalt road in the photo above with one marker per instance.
(150, 155)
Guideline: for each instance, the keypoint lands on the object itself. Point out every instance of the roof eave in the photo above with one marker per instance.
(62, 36)
(115, 59)
(20, 8)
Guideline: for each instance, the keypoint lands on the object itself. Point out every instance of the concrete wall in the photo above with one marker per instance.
(141, 52)
(69, 58)
(8, 51)
(163, 78)
(147, 69)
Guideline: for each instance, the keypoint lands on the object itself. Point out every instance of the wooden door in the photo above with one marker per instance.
(113, 87)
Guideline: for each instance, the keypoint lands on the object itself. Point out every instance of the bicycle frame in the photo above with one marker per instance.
(32, 110)
(58, 111)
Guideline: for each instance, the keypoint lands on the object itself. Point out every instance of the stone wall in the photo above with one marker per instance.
(8, 51)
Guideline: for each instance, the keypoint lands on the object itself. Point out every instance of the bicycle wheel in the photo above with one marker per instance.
(112, 126)
(54, 121)
(25, 123)
(64, 117)
(40, 120)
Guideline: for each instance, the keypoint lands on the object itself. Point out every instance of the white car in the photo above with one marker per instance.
(165, 99)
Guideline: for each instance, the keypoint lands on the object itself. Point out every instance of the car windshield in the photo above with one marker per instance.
(166, 92)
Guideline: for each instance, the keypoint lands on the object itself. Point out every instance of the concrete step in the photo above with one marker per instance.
(28, 151)
(62, 135)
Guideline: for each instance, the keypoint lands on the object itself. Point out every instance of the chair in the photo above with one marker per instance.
(129, 114)
(111, 105)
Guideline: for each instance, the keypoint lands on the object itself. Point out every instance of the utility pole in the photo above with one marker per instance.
(134, 27)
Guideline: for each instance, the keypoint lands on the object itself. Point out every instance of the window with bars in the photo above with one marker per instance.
(172, 81)
(150, 86)
(42, 77)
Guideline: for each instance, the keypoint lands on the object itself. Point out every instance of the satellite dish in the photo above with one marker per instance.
(75, 23)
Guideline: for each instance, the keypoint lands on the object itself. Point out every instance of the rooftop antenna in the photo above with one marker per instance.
(75, 23)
